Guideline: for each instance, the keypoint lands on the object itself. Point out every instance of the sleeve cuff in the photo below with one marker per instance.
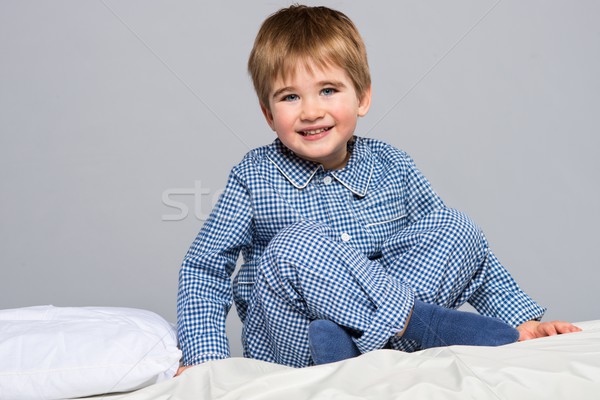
(201, 358)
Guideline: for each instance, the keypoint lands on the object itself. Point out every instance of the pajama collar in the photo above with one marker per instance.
(355, 176)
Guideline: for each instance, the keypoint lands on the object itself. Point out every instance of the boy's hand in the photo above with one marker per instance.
(181, 369)
(536, 329)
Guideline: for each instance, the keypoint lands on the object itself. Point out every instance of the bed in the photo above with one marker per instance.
(558, 367)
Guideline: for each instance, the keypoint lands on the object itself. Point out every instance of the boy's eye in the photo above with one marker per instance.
(290, 97)
(328, 91)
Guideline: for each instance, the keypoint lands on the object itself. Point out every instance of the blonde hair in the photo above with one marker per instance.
(299, 35)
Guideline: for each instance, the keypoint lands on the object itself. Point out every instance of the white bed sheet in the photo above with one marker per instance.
(558, 367)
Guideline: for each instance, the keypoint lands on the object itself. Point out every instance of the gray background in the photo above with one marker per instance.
(108, 106)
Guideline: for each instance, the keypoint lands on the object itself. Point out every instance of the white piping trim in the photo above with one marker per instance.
(350, 189)
(386, 221)
(290, 179)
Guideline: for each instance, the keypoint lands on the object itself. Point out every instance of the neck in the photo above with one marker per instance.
(338, 165)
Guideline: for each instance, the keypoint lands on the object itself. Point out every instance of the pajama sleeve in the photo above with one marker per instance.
(420, 198)
(493, 291)
(498, 295)
(205, 291)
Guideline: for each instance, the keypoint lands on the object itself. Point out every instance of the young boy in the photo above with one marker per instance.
(336, 230)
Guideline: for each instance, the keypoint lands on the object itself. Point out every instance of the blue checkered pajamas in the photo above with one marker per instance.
(355, 246)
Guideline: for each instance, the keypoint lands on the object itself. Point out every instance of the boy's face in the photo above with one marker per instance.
(314, 113)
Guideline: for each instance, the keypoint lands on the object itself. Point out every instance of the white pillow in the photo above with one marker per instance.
(51, 352)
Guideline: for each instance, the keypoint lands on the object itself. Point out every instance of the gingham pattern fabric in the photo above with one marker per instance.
(308, 273)
(378, 214)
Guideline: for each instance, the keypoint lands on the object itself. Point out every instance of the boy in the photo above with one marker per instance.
(339, 233)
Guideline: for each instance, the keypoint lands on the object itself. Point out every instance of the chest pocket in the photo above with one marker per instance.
(382, 211)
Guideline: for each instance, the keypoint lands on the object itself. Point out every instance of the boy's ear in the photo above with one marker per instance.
(364, 102)
(268, 115)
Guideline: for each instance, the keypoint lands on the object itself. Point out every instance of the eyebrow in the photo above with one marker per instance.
(282, 90)
(335, 84)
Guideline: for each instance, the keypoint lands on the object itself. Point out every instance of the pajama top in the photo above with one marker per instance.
(378, 193)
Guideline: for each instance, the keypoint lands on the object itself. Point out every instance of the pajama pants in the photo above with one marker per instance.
(308, 273)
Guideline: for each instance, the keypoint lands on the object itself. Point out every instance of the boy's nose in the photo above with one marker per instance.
(311, 110)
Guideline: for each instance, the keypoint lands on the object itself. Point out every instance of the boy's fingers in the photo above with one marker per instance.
(566, 327)
(548, 329)
(535, 329)
(181, 369)
(575, 329)
(558, 327)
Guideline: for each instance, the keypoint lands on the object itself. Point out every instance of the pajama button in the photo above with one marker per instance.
(327, 180)
(345, 237)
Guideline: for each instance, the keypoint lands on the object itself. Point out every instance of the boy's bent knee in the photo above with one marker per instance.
(294, 244)
(296, 236)
(458, 224)
(445, 231)
(447, 225)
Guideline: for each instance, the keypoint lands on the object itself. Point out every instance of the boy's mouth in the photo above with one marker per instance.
(314, 131)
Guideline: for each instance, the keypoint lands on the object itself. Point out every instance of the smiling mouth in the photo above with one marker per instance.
(314, 131)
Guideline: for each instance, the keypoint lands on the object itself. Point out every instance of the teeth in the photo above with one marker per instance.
(310, 133)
